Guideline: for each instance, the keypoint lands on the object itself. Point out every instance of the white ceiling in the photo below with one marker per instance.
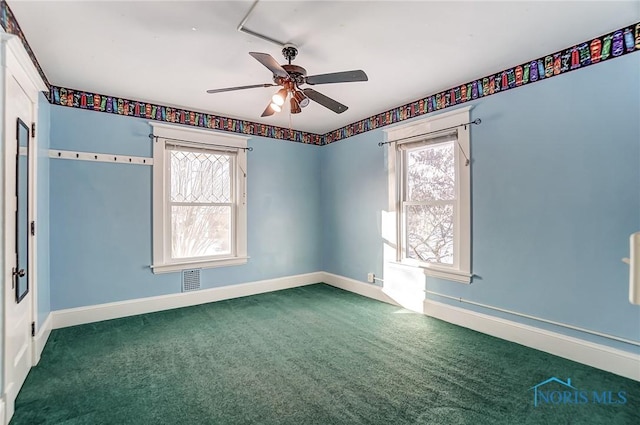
(171, 52)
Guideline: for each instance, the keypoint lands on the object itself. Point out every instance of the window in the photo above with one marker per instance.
(199, 214)
(428, 203)
(430, 187)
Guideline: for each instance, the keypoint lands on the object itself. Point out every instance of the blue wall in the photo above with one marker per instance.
(101, 213)
(555, 196)
(354, 194)
(42, 218)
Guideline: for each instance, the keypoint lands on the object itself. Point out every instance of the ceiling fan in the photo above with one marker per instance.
(291, 77)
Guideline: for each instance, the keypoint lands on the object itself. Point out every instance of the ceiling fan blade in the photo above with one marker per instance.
(268, 61)
(268, 111)
(325, 101)
(338, 77)
(253, 86)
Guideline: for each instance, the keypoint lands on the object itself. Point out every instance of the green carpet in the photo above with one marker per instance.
(309, 355)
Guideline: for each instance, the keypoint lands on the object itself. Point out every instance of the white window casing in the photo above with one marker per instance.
(442, 128)
(231, 148)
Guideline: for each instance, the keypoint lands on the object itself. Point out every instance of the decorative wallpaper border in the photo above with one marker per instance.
(609, 46)
(606, 47)
(11, 26)
(116, 105)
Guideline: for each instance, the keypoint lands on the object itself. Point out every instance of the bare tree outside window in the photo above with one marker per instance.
(201, 203)
(429, 203)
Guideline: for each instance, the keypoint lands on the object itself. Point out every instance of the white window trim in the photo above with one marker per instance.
(162, 263)
(460, 271)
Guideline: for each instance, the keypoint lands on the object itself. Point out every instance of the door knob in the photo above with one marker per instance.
(16, 274)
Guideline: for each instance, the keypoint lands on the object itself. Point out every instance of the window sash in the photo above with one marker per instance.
(427, 203)
(403, 150)
(168, 232)
(406, 230)
(232, 245)
(210, 151)
(405, 154)
(202, 204)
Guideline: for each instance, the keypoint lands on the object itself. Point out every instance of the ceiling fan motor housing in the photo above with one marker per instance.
(297, 74)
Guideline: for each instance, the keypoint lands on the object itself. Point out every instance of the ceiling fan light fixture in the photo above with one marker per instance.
(280, 97)
(295, 106)
(300, 98)
(276, 107)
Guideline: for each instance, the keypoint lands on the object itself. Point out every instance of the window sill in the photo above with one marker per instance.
(455, 275)
(459, 276)
(206, 264)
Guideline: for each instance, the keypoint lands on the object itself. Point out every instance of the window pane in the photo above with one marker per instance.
(431, 173)
(200, 177)
(430, 233)
(200, 231)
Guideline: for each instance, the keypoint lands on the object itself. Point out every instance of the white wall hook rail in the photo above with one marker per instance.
(100, 157)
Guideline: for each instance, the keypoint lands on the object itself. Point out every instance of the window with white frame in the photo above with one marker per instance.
(200, 208)
(431, 194)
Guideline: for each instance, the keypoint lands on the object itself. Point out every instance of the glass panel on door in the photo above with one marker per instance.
(20, 274)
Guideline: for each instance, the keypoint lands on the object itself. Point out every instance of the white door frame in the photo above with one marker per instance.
(16, 63)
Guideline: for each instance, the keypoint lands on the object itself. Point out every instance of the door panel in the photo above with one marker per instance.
(18, 315)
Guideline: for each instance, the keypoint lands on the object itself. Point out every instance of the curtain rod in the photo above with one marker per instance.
(477, 121)
(153, 136)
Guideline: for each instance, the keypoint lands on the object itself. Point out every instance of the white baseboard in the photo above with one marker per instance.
(41, 338)
(368, 290)
(600, 356)
(3, 420)
(96, 313)
(410, 299)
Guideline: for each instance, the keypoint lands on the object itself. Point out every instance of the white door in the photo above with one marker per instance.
(18, 299)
